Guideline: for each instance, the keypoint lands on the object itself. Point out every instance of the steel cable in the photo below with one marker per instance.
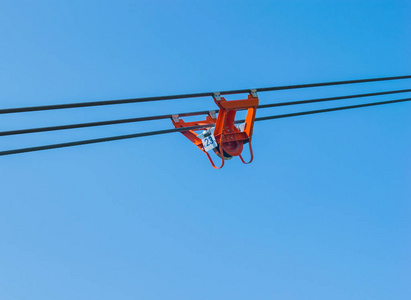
(194, 95)
(158, 132)
(151, 118)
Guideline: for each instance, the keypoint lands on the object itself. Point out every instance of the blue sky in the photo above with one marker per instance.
(322, 212)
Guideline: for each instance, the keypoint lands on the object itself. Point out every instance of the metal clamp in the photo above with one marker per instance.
(206, 133)
(241, 127)
(253, 93)
(212, 114)
(217, 96)
(175, 118)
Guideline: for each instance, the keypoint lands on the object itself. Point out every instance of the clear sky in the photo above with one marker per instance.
(322, 213)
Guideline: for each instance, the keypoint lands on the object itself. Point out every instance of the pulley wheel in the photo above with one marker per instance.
(233, 148)
(230, 149)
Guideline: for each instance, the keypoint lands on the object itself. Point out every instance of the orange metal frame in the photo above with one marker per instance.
(229, 138)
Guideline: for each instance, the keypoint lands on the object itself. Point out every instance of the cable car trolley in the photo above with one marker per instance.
(223, 135)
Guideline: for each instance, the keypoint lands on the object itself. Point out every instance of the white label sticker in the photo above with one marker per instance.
(209, 142)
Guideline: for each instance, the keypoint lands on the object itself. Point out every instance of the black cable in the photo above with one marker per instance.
(100, 123)
(136, 135)
(141, 119)
(100, 140)
(195, 95)
(333, 98)
(317, 111)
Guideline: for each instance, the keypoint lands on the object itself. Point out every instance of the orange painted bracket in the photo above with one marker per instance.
(229, 138)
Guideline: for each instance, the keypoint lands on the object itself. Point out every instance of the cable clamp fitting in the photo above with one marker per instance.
(217, 96)
(241, 127)
(212, 114)
(176, 118)
(253, 93)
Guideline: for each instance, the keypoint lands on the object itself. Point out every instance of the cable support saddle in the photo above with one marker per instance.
(223, 136)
